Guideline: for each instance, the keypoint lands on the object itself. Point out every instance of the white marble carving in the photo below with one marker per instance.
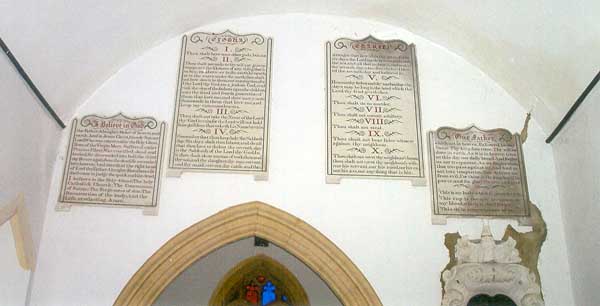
(489, 267)
(486, 249)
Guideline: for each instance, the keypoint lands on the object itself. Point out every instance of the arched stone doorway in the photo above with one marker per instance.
(243, 221)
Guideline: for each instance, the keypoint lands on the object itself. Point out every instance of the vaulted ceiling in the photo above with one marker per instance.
(543, 52)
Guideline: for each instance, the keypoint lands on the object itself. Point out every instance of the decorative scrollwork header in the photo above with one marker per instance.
(118, 121)
(227, 38)
(474, 133)
(371, 43)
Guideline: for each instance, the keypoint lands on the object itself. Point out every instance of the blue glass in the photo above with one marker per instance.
(268, 294)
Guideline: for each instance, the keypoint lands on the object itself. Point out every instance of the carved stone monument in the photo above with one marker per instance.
(113, 161)
(477, 173)
(490, 268)
(221, 120)
(373, 111)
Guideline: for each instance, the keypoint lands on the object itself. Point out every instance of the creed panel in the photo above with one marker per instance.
(221, 120)
(113, 161)
(373, 111)
(477, 173)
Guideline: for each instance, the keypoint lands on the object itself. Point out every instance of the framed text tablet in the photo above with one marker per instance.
(477, 173)
(373, 111)
(221, 120)
(113, 161)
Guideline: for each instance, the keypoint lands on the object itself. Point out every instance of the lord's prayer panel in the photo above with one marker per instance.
(477, 173)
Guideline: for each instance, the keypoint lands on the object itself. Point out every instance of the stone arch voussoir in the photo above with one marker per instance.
(242, 221)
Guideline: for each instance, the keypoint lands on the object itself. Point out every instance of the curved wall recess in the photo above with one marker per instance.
(247, 270)
(243, 221)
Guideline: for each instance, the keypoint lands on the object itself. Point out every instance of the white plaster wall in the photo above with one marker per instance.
(196, 284)
(28, 143)
(89, 254)
(543, 52)
(577, 151)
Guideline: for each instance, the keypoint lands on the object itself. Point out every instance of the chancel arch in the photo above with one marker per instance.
(254, 219)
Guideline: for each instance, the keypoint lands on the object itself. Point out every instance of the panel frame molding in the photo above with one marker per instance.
(251, 219)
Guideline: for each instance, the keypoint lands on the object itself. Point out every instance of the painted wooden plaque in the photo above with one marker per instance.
(113, 161)
(221, 120)
(373, 111)
(477, 173)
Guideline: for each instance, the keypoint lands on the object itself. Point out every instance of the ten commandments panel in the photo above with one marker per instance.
(113, 161)
(221, 118)
(373, 111)
(477, 173)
